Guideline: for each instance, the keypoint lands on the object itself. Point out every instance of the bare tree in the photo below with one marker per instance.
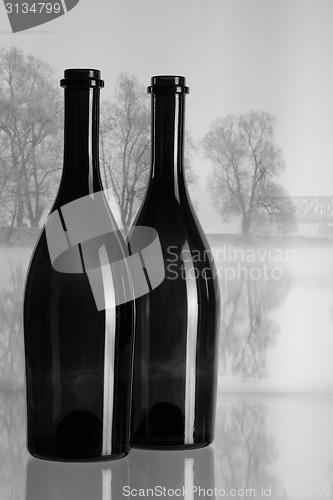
(246, 162)
(125, 145)
(30, 111)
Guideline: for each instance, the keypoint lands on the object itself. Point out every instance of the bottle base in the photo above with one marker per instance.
(101, 458)
(170, 447)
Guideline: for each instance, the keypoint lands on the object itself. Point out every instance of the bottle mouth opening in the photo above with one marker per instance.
(82, 77)
(168, 84)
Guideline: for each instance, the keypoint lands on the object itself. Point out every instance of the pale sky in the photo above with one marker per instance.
(237, 55)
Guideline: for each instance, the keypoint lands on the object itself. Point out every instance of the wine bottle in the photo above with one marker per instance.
(78, 333)
(177, 323)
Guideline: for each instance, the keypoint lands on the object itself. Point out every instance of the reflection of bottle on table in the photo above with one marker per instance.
(86, 481)
(180, 472)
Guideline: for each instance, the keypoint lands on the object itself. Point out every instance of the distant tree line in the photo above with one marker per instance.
(244, 158)
(30, 126)
(31, 147)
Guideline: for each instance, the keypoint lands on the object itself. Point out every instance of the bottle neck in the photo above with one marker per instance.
(167, 143)
(81, 174)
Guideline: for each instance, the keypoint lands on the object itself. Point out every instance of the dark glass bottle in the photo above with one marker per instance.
(177, 323)
(78, 335)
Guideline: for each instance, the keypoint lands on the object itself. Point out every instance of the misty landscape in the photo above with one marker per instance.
(258, 166)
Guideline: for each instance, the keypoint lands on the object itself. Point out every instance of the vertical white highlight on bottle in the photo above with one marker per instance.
(107, 484)
(189, 479)
(191, 345)
(109, 349)
(90, 142)
(176, 150)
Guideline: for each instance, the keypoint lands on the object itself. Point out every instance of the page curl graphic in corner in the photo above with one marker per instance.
(76, 238)
(28, 14)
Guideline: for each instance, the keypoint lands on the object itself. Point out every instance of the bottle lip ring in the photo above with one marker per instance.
(168, 84)
(177, 89)
(81, 83)
(82, 77)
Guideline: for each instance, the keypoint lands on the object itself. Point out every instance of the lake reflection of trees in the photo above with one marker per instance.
(13, 454)
(247, 329)
(11, 336)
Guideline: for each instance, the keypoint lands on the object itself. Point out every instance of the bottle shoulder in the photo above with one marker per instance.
(174, 220)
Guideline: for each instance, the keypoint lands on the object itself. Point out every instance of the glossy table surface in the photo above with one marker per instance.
(273, 438)
(277, 446)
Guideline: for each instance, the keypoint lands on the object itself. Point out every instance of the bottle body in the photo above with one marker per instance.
(78, 355)
(177, 324)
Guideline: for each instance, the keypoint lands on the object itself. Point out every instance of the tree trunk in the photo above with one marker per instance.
(20, 211)
(34, 221)
(124, 221)
(246, 224)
